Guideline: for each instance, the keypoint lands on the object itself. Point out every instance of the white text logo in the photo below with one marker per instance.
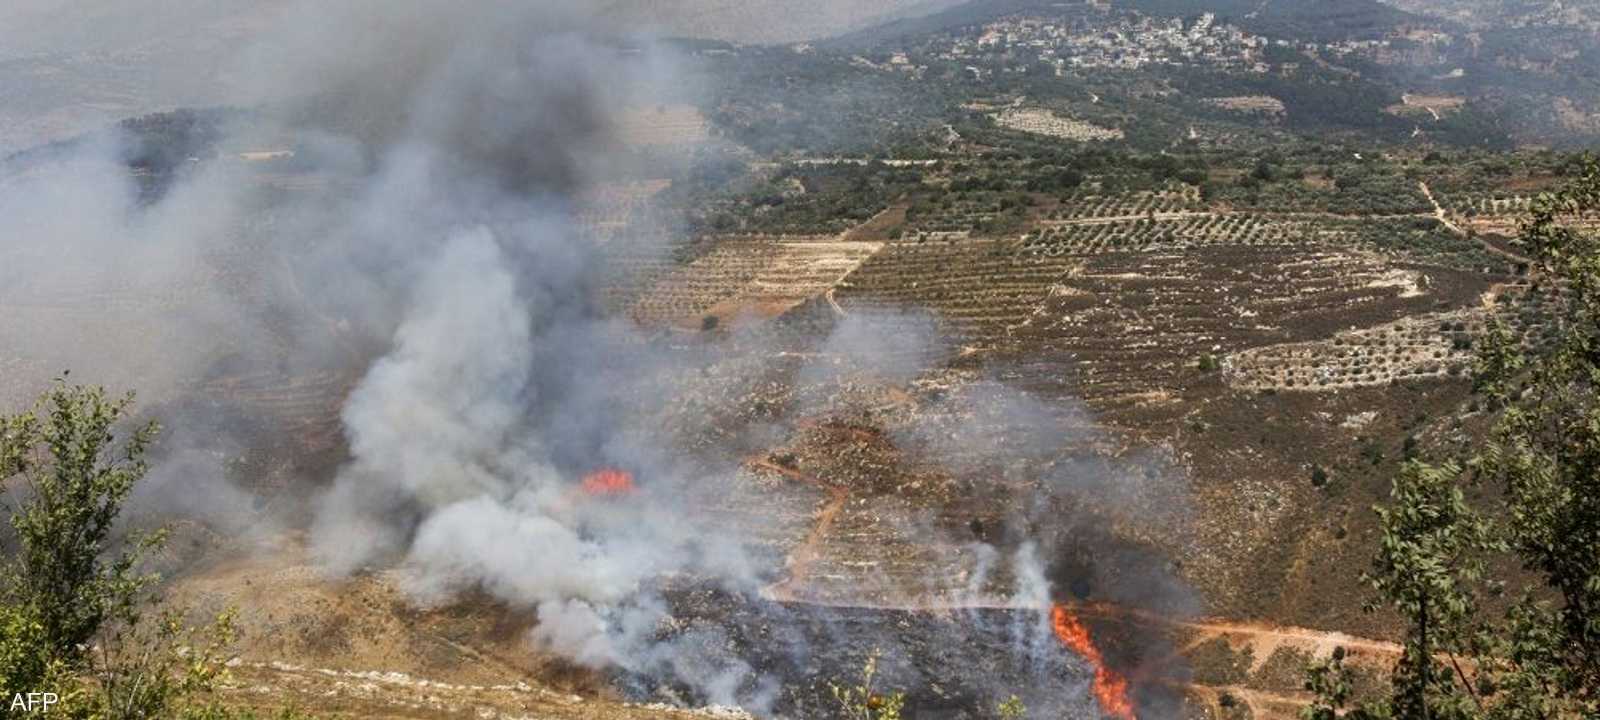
(33, 702)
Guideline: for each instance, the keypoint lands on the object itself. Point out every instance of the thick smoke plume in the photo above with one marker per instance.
(439, 272)
(456, 143)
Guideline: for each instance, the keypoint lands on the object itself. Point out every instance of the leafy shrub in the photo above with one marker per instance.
(74, 617)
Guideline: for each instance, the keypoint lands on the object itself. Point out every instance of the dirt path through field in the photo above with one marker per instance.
(804, 557)
(1322, 642)
(1438, 210)
(1263, 640)
(1444, 219)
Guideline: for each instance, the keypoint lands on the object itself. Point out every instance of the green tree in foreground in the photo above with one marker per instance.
(1542, 460)
(1428, 567)
(1331, 685)
(1545, 454)
(74, 608)
(74, 479)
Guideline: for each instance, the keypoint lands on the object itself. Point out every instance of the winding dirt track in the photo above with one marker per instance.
(1438, 210)
(804, 556)
(1263, 639)
(1443, 217)
(1319, 643)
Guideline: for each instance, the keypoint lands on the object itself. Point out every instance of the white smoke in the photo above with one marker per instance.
(431, 419)
(442, 259)
(502, 385)
(456, 142)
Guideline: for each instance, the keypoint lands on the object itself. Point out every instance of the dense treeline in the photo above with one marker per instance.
(1312, 100)
(162, 142)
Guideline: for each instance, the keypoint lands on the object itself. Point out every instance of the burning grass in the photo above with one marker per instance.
(1110, 687)
(608, 482)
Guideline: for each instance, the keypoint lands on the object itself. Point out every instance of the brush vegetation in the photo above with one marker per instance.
(1530, 543)
(78, 617)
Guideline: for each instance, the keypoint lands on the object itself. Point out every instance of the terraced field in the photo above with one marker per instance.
(1174, 230)
(980, 289)
(304, 406)
(749, 276)
(1088, 205)
(679, 126)
(955, 220)
(1131, 328)
(116, 332)
(611, 208)
(1425, 346)
(1487, 213)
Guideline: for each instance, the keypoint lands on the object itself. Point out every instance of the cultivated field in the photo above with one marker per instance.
(1049, 124)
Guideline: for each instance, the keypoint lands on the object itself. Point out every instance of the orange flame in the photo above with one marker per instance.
(1110, 687)
(608, 482)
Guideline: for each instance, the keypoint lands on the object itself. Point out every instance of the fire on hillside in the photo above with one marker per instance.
(1110, 687)
(608, 482)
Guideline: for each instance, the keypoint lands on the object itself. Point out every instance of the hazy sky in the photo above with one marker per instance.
(772, 20)
(67, 66)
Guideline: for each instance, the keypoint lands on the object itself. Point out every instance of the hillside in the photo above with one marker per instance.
(1488, 14)
(1016, 352)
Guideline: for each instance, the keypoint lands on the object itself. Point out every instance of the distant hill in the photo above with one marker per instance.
(766, 21)
(975, 12)
(70, 66)
(1483, 14)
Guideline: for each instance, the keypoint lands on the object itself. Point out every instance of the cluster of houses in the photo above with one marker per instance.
(1122, 40)
(1093, 35)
